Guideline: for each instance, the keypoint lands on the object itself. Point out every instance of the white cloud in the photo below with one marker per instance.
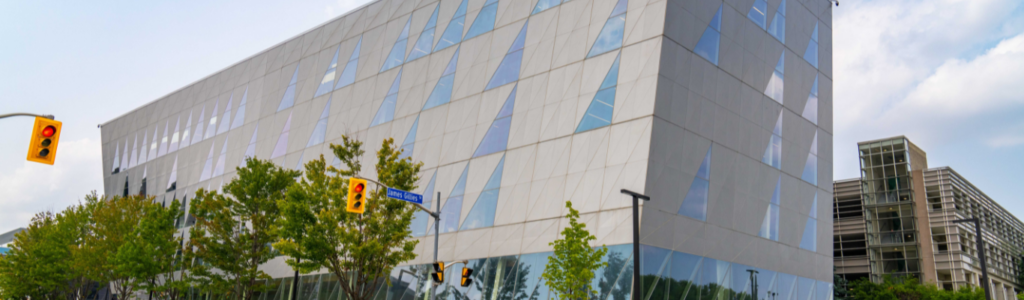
(343, 7)
(35, 187)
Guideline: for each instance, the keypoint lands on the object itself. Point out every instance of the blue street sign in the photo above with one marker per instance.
(405, 196)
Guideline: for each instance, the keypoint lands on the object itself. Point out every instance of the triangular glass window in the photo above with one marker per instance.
(219, 168)
(240, 115)
(453, 34)
(185, 133)
(225, 123)
(452, 210)
(811, 108)
(809, 240)
(172, 181)
(496, 138)
(770, 225)
(484, 21)
(811, 55)
(386, 112)
(282, 142)
(163, 141)
(198, 136)
(397, 56)
(174, 136)
(778, 27)
(211, 129)
(776, 82)
(758, 13)
(810, 174)
(773, 153)
(442, 92)
(142, 152)
(707, 46)
(116, 168)
(599, 113)
(208, 166)
(543, 5)
(508, 70)
(250, 151)
(482, 213)
(418, 226)
(426, 40)
(135, 153)
(695, 205)
(154, 145)
(610, 37)
(410, 140)
(320, 131)
(289, 94)
(348, 76)
(327, 83)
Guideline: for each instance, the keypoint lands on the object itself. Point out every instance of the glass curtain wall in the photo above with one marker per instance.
(889, 209)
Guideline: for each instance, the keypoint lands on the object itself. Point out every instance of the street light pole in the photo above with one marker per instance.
(753, 283)
(636, 239)
(981, 253)
(25, 115)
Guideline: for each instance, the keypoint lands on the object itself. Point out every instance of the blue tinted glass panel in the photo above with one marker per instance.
(219, 168)
(778, 28)
(685, 268)
(484, 21)
(482, 213)
(452, 64)
(532, 287)
(774, 210)
(774, 90)
(612, 78)
(705, 166)
(495, 181)
(410, 139)
(327, 83)
(450, 214)
(460, 186)
(804, 288)
(695, 205)
(707, 47)
(508, 70)
(543, 5)
(740, 280)
(420, 218)
(250, 151)
(348, 76)
(620, 8)
(198, 136)
(510, 102)
(776, 195)
(239, 117)
(211, 129)
(208, 167)
(520, 39)
(811, 56)
(778, 125)
(758, 13)
(289, 94)
(786, 284)
(766, 280)
(225, 124)
(823, 291)
(496, 138)
(810, 174)
(386, 112)
(814, 207)
(442, 92)
(320, 131)
(610, 37)
(599, 114)
(614, 282)
(814, 35)
(398, 50)
(653, 261)
(282, 142)
(809, 240)
(452, 35)
(426, 40)
(782, 8)
(716, 21)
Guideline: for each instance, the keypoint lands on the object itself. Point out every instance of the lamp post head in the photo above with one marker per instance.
(635, 194)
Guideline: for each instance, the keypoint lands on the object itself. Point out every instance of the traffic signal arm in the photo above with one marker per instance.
(42, 147)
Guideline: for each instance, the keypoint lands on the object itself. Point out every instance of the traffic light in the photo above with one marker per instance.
(466, 281)
(356, 195)
(42, 148)
(438, 274)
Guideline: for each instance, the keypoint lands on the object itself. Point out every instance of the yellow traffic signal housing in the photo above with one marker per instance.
(356, 195)
(438, 274)
(466, 272)
(42, 148)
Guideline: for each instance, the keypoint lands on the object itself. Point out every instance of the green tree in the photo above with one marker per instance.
(115, 259)
(48, 259)
(569, 271)
(909, 288)
(233, 231)
(359, 249)
(149, 251)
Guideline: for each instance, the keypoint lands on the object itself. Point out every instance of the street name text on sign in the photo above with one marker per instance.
(405, 196)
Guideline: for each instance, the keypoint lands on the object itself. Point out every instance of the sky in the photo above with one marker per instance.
(948, 74)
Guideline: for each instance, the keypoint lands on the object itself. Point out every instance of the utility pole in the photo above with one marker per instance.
(981, 253)
(636, 240)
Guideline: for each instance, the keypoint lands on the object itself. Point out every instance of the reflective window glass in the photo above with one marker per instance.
(426, 40)
(173, 146)
(786, 286)
(482, 213)
(282, 142)
(451, 212)
(778, 27)
(320, 131)
(218, 169)
(705, 166)
(327, 83)
(811, 55)
(289, 93)
(685, 270)
(532, 286)
(163, 144)
(508, 70)
(398, 50)
(134, 161)
(695, 204)
(115, 168)
(758, 13)
(155, 144)
(124, 156)
(484, 21)
(142, 152)
(453, 34)
(773, 153)
(610, 37)
(418, 226)
(766, 283)
(654, 264)
(809, 239)
(442, 92)
(823, 291)
(811, 108)
(250, 151)
(386, 112)
(348, 76)
(211, 129)
(614, 282)
(410, 140)
(543, 5)
(197, 136)
(225, 122)
(775, 83)
(707, 46)
(496, 138)
(804, 288)
(208, 166)
(810, 174)
(173, 178)
(240, 115)
(599, 113)
(740, 280)
(770, 225)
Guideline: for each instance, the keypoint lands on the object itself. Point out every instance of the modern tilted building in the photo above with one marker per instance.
(720, 111)
(897, 220)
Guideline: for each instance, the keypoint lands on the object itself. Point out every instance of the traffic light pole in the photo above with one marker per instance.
(636, 240)
(25, 115)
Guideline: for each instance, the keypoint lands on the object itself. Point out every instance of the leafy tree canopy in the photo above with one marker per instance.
(569, 271)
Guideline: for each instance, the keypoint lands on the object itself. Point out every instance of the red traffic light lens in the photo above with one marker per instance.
(48, 131)
(358, 188)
